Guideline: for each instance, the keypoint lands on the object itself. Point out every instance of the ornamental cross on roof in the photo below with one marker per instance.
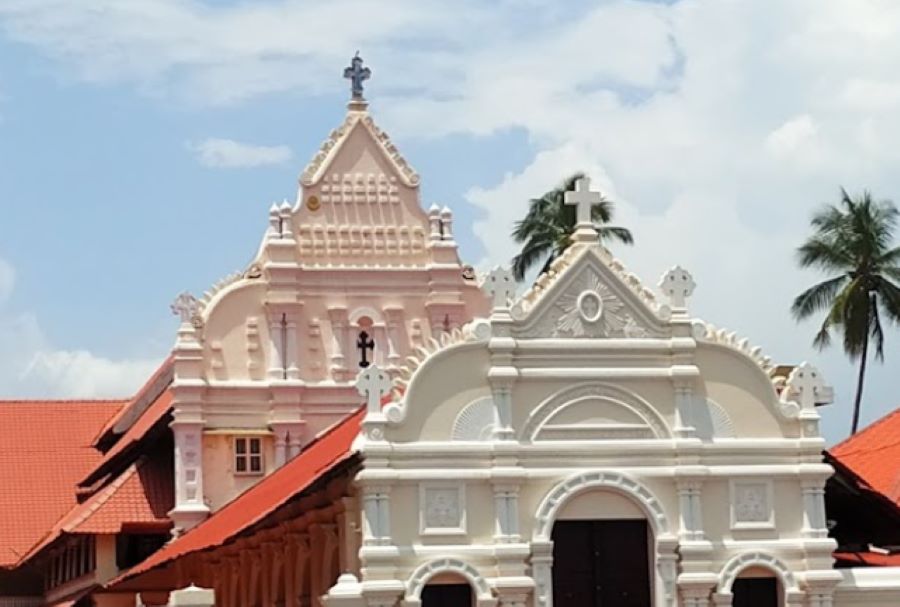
(584, 200)
(356, 73)
(185, 306)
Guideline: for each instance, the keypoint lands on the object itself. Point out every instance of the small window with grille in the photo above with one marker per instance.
(248, 456)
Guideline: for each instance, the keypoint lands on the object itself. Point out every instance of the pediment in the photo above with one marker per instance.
(589, 298)
(349, 145)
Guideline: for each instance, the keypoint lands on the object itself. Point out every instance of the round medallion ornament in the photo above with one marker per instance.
(590, 306)
(313, 203)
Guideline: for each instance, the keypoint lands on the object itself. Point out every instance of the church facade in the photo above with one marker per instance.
(356, 419)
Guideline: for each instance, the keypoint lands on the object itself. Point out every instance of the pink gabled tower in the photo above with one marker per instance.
(354, 272)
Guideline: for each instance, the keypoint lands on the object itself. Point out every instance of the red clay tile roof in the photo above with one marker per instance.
(140, 497)
(874, 559)
(320, 456)
(45, 448)
(873, 455)
(153, 414)
(138, 403)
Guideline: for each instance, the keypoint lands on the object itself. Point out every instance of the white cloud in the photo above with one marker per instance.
(31, 367)
(229, 154)
(716, 126)
(7, 280)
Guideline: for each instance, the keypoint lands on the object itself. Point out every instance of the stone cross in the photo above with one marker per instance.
(584, 200)
(809, 386)
(356, 74)
(373, 384)
(185, 306)
(678, 285)
(499, 284)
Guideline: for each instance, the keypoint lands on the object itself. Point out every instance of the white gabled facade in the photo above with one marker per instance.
(588, 399)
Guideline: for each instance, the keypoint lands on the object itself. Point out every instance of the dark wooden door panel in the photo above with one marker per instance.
(447, 595)
(755, 592)
(601, 564)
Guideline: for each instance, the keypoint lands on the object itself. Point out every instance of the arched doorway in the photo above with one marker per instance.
(447, 590)
(609, 495)
(601, 552)
(757, 587)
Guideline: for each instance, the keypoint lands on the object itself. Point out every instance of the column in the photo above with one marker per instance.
(297, 573)
(814, 525)
(190, 506)
(295, 442)
(693, 597)
(501, 390)
(291, 347)
(338, 319)
(684, 405)
(393, 319)
(506, 514)
(690, 512)
(376, 516)
(542, 564)
(281, 453)
(276, 345)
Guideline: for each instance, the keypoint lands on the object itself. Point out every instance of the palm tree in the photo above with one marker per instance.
(546, 230)
(853, 241)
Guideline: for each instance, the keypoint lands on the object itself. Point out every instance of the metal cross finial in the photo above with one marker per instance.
(356, 73)
(185, 306)
(584, 200)
(364, 343)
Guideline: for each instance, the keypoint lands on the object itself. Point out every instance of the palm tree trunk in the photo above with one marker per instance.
(859, 381)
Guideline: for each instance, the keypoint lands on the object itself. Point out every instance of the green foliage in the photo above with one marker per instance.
(546, 230)
(853, 242)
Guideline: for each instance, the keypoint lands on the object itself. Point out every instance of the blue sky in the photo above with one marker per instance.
(141, 143)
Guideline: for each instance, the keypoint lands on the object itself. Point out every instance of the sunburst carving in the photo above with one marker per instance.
(590, 309)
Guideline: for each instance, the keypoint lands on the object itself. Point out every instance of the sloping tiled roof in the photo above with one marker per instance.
(874, 559)
(45, 448)
(873, 455)
(140, 497)
(138, 403)
(319, 457)
(153, 414)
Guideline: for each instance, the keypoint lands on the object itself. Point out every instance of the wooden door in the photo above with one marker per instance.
(601, 564)
(755, 592)
(447, 595)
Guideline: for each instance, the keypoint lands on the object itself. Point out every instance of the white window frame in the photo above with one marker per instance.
(247, 456)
